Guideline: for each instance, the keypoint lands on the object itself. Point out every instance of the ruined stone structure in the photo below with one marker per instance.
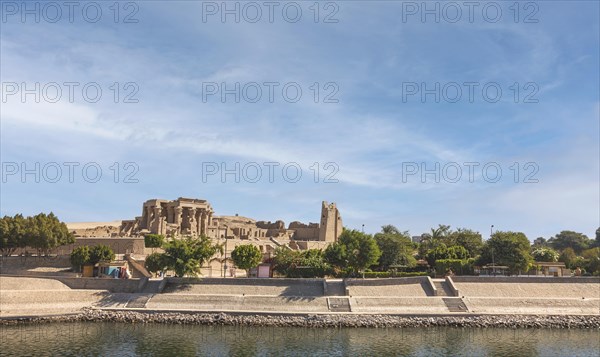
(331, 222)
(184, 216)
(193, 217)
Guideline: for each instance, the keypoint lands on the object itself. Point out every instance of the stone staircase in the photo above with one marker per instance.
(335, 288)
(339, 304)
(455, 304)
(442, 287)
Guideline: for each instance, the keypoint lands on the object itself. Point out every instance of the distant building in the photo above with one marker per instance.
(187, 216)
(417, 239)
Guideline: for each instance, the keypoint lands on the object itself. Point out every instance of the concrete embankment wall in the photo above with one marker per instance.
(247, 286)
(112, 285)
(398, 305)
(27, 283)
(34, 266)
(525, 279)
(539, 306)
(237, 303)
(410, 286)
(515, 287)
(31, 296)
(41, 296)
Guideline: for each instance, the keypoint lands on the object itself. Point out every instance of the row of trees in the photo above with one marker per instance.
(186, 256)
(442, 248)
(356, 252)
(578, 242)
(42, 232)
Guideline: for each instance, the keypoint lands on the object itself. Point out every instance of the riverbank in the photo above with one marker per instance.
(317, 321)
(356, 302)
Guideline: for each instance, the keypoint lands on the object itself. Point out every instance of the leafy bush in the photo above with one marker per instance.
(101, 253)
(186, 255)
(442, 252)
(246, 256)
(354, 251)
(458, 266)
(155, 262)
(154, 240)
(84, 254)
(80, 256)
(301, 264)
(544, 255)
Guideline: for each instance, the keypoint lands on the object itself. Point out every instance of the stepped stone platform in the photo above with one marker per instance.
(402, 305)
(237, 303)
(544, 306)
(35, 296)
(273, 287)
(511, 290)
(27, 296)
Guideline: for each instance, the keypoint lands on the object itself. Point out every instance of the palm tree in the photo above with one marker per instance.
(389, 229)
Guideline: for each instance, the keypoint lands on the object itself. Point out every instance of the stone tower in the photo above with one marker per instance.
(331, 223)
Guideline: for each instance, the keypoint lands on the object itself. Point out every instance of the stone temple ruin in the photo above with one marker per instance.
(187, 216)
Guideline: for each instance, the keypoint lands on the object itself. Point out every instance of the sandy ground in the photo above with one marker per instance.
(85, 225)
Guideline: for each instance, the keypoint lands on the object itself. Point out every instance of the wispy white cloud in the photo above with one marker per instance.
(369, 133)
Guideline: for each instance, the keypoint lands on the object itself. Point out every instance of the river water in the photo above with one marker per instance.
(119, 339)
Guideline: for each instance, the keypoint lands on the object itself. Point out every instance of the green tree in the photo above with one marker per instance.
(155, 262)
(80, 256)
(437, 236)
(396, 248)
(45, 232)
(154, 240)
(568, 257)
(592, 260)
(301, 264)
(246, 256)
(455, 252)
(540, 242)
(507, 248)
(441, 232)
(354, 251)
(12, 234)
(186, 255)
(597, 241)
(390, 229)
(470, 240)
(542, 254)
(101, 253)
(313, 263)
(569, 239)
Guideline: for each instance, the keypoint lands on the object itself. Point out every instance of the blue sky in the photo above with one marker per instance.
(369, 61)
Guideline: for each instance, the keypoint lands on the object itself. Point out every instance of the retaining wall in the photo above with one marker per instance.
(247, 286)
(525, 279)
(386, 281)
(409, 286)
(112, 285)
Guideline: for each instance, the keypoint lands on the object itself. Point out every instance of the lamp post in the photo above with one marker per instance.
(493, 262)
(225, 265)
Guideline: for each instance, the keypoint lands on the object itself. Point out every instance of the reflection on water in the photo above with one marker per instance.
(115, 339)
